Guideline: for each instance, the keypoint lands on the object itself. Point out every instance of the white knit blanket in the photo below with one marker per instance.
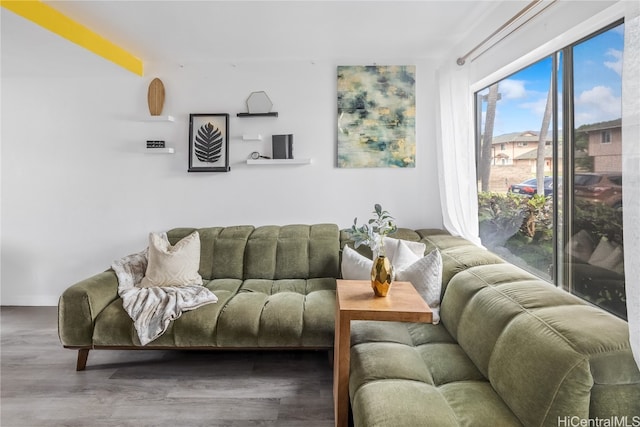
(153, 309)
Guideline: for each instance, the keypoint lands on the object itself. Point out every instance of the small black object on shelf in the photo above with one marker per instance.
(271, 114)
(155, 144)
(282, 146)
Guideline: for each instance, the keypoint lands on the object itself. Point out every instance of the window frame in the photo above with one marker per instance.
(562, 128)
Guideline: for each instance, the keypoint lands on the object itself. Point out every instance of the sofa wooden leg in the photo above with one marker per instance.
(83, 355)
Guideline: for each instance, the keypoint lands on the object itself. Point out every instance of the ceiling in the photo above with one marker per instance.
(234, 31)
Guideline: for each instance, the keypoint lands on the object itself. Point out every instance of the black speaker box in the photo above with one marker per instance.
(282, 146)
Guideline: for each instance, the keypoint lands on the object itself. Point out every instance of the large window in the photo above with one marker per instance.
(549, 162)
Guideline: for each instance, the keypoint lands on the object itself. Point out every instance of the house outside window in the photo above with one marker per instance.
(556, 210)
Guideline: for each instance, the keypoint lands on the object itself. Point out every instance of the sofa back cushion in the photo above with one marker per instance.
(268, 252)
(546, 352)
(458, 254)
(221, 249)
(293, 252)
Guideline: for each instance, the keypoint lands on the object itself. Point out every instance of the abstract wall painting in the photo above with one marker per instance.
(376, 116)
(209, 143)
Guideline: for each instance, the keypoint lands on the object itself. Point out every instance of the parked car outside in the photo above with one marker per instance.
(530, 187)
(599, 187)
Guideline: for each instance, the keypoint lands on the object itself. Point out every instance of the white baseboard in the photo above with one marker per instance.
(29, 300)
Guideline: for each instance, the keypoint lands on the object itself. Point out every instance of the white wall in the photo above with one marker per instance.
(78, 191)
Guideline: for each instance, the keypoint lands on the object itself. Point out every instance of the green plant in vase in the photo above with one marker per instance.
(372, 234)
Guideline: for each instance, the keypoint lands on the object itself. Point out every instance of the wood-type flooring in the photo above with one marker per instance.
(40, 387)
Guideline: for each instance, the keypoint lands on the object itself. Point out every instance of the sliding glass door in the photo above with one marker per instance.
(516, 161)
(549, 157)
(595, 268)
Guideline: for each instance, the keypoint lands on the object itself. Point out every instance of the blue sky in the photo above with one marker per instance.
(597, 86)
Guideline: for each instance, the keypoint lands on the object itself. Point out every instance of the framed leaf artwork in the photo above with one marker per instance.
(209, 143)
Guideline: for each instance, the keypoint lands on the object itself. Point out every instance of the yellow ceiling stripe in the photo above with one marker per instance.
(52, 20)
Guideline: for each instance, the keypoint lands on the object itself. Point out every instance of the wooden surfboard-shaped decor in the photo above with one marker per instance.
(155, 97)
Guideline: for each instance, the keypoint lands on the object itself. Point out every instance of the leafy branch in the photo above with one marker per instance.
(373, 232)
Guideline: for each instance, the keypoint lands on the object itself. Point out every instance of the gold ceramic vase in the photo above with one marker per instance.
(381, 276)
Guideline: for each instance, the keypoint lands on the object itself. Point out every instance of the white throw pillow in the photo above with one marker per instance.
(426, 276)
(355, 266)
(391, 246)
(173, 265)
(404, 255)
(425, 273)
(358, 267)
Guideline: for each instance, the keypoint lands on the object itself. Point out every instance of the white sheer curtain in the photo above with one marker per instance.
(456, 153)
(457, 173)
(631, 170)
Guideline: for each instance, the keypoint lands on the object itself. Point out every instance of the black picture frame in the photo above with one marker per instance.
(209, 143)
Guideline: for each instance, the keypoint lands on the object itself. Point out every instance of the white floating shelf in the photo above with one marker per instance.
(167, 150)
(159, 119)
(279, 162)
(256, 137)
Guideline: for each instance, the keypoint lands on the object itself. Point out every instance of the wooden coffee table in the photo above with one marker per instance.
(355, 301)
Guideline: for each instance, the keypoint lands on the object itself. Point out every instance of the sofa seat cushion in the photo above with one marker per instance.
(114, 327)
(251, 313)
(402, 403)
(408, 374)
(410, 351)
(280, 313)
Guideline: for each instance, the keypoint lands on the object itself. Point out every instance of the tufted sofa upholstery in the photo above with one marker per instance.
(510, 350)
(275, 287)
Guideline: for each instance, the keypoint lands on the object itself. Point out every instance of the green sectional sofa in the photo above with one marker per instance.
(510, 349)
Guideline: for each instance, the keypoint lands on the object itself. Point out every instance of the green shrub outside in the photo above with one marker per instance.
(524, 226)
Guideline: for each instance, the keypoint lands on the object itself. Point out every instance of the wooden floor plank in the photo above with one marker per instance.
(40, 386)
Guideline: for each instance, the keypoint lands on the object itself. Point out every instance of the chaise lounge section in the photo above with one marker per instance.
(510, 350)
